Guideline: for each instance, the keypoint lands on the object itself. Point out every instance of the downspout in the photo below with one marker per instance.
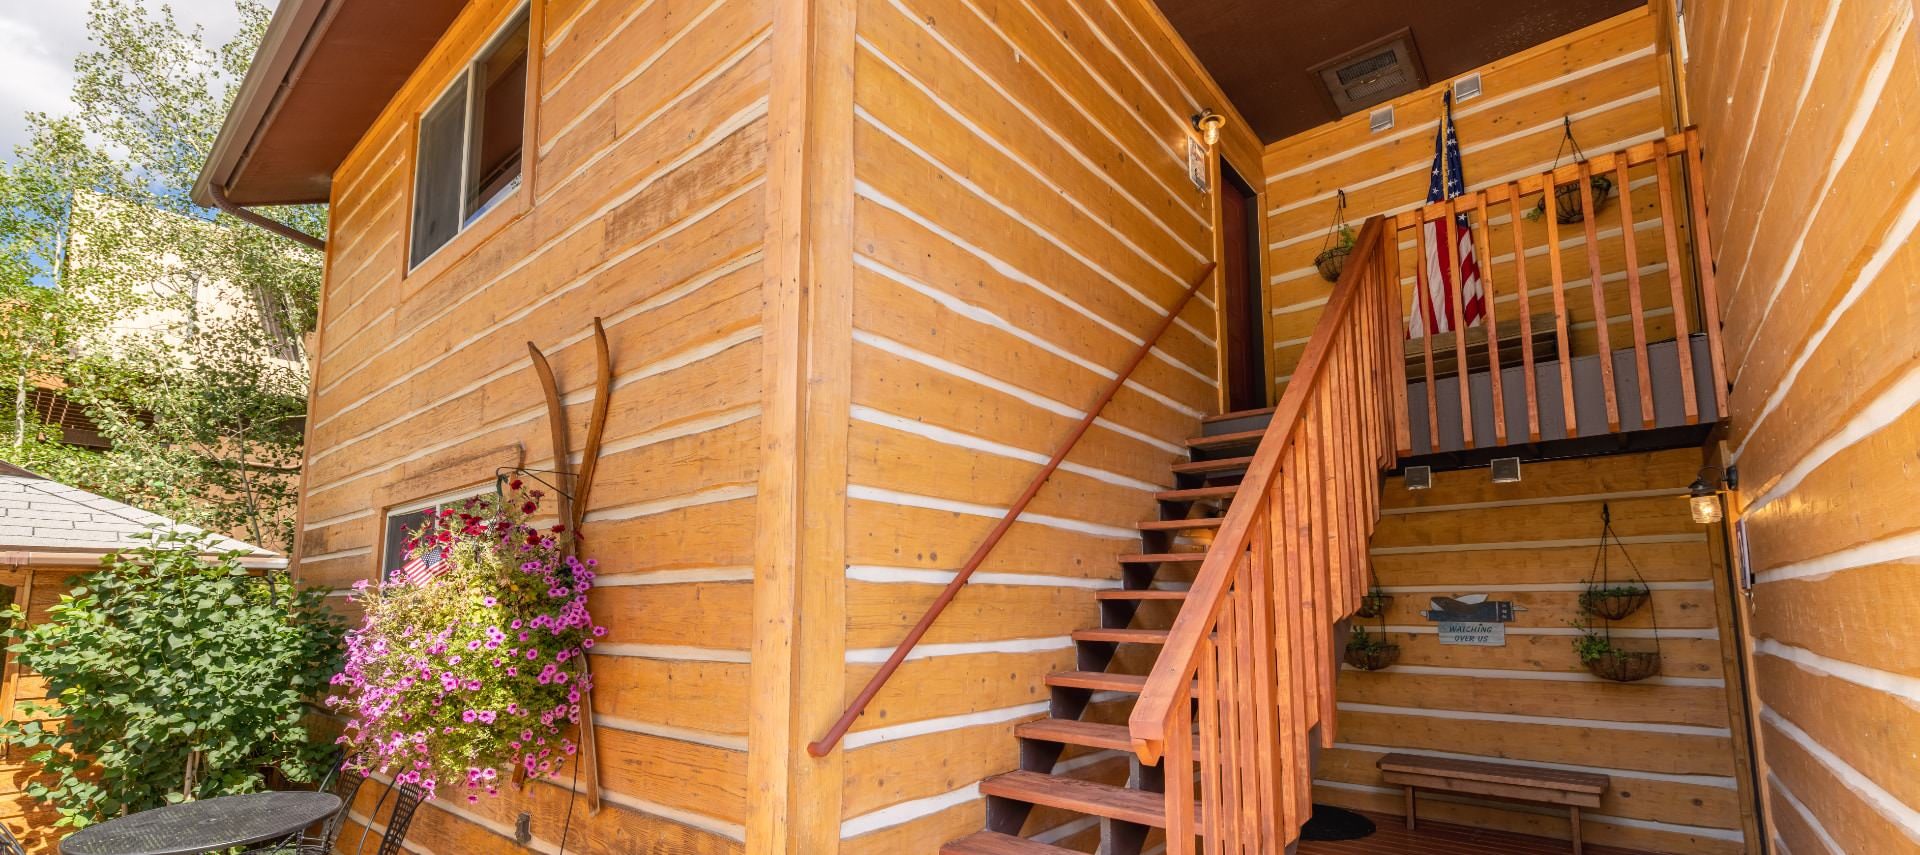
(219, 196)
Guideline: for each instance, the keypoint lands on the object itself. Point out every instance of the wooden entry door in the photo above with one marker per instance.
(1243, 307)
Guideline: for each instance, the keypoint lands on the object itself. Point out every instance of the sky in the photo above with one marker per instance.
(39, 40)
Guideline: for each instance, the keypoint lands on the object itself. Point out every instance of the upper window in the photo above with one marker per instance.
(470, 143)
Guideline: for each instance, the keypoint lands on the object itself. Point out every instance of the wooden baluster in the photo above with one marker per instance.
(1459, 324)
(1286, 623)
(1266, 700)
(1312, 583)
(1179, 780)
(1248, 702)
(1703, 254)
(1670, 229)
(1351, 493)
(1211, 799)
(1229, 699)
(1642, 374)
(1395, 351)
(1426, 339)
(1299, 533)
(1601, 321)
(1552, 219)
(1484, 251)
(1526, 313)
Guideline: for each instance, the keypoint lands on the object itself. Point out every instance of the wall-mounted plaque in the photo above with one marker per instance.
(1474, 633)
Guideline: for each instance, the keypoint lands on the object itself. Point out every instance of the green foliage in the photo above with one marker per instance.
(108, 270)
(1361, 639)
(1592, 643)
(171, 676)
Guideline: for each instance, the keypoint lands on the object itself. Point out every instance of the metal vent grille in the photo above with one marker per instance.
(1376, 72)
(1506, 470)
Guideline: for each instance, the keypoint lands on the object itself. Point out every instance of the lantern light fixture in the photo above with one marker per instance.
(1703, 496)
(1209, 123)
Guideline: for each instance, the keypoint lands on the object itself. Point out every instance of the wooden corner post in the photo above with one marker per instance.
(798, 667)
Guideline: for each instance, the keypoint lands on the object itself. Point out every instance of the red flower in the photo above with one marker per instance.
(528, 507)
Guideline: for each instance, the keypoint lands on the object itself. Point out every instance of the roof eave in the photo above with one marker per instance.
(274, 70)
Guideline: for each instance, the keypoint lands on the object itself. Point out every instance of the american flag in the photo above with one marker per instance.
(1435, 304)
(421, 567)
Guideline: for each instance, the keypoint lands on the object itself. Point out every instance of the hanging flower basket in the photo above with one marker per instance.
(1339, 243)
(1614, 603)
(1373, 605)
(1330, 262)
(1369, 652)
(1624, 666)
(468, 673)
(1568, 207)
(1373, 657)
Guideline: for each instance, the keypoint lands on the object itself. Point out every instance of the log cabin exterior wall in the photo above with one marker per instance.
(1669, 744)
(1610, 78)
(1807, 110)
(1019, 215)
(642, 203)
(35, 588)
(1021, 219)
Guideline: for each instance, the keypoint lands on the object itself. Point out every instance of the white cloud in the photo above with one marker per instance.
(39, 40)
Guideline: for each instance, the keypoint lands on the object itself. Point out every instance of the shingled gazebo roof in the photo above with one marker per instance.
(45, 521)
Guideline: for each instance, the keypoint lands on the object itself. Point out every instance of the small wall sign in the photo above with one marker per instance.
(1475, 634)
(1197, 164)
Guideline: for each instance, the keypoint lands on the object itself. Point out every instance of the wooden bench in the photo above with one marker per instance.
(1574, 790)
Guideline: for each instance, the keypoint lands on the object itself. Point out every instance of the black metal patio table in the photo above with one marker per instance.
(208, 825)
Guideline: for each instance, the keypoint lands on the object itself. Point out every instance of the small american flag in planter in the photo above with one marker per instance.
(421, 567)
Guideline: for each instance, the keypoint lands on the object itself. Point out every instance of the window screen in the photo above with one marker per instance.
(469, 153)
(399, 526)
(436, 188)
(499, 115)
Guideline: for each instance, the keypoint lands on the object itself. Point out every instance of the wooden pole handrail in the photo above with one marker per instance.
(1646, 152)
(825, 744)
(1169, 680)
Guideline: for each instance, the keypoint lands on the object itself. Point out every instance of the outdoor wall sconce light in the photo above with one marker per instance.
(1418, 477)
(1209, 123)
(1703, 496)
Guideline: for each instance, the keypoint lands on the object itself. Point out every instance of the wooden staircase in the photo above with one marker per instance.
(1172, 548)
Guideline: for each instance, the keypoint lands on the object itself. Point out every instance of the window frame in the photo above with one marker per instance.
(435, 502)
(510, 204)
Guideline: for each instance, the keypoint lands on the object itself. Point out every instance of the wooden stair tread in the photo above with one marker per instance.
(1088, 797)
(1162, 557)
(1245, 437)
(1181, 525)
(1102, 681)
(1098, 681)
(1142, 594)
(1091, 734)
(1224, 464)
(995, 843)
(1239, 414)
(1122, 636)
(1197, 494)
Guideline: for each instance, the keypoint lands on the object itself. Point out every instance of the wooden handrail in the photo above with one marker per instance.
(1286, 563)
(825, 744)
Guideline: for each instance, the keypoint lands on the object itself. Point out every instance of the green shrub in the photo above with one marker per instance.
(172, 676)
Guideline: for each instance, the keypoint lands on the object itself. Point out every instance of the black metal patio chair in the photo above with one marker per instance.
(9, 844)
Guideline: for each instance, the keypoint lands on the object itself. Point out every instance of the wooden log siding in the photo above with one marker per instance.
(1806, 108)
(1606, 76)
(644, 204)
(1021, 220)
(1667, 743)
